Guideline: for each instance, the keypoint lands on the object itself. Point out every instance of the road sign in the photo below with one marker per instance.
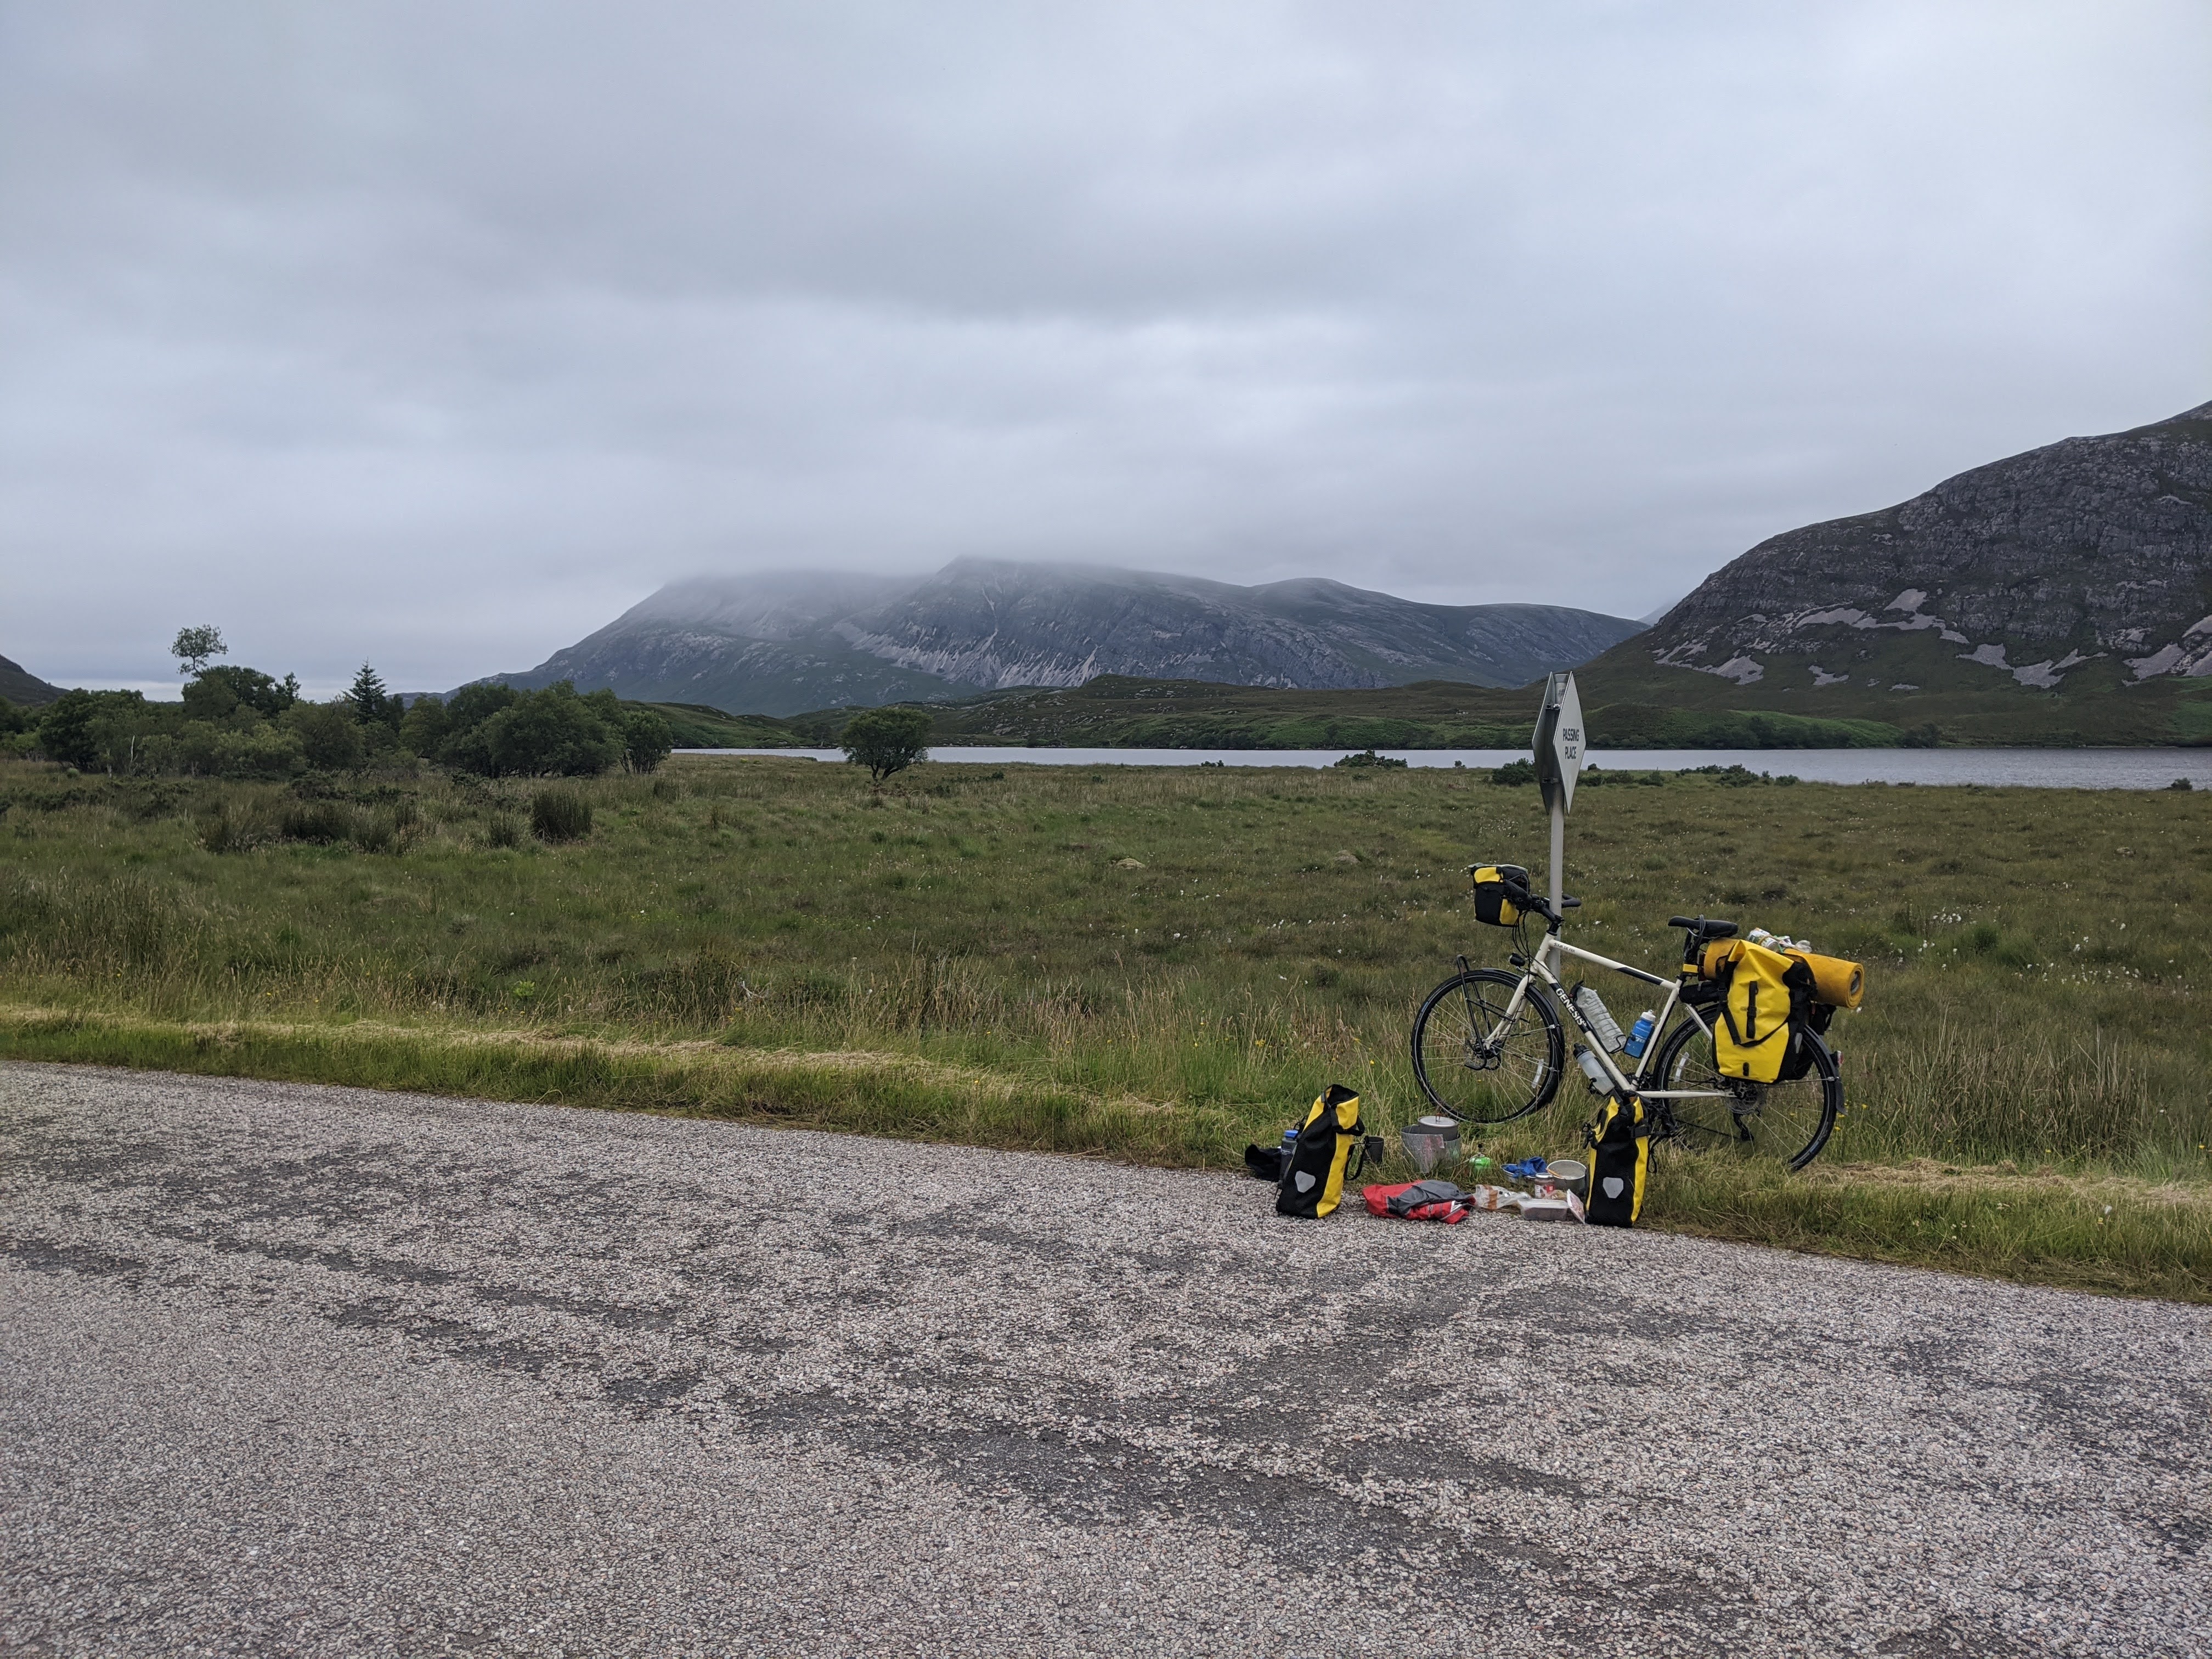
(1560, 742)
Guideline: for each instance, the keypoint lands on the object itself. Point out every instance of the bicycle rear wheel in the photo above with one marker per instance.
(1786, 1123)
(1475, 1064)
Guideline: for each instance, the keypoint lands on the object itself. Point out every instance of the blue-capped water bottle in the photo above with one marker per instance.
(1640, 1033)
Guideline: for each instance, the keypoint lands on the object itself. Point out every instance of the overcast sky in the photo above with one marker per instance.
(437, 334)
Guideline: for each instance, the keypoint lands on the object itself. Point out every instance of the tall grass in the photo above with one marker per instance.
(1219, 942)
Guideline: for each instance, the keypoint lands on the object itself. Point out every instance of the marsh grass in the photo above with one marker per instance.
(1153, 964)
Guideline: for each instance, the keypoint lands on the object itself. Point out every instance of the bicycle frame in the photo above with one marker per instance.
(1543, 966)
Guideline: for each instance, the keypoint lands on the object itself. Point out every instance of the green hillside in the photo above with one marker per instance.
(1908, 682)
(698, 727)
(1117, 712)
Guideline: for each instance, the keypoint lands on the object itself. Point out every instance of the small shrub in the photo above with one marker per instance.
(316, 820)
(502, 830)
(557, 815)
(222, 832)
(1514, 774)
(1369, 757)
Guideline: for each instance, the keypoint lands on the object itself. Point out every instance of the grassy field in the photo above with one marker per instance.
(1156, 964)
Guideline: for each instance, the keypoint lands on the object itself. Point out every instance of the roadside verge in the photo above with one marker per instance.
(2095, 1231)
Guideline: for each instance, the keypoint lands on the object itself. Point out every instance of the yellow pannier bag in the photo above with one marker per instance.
(1501, 892)
(1762, 1009)
(1838, 983)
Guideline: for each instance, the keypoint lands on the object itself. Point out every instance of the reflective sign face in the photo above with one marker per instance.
(1560, 740)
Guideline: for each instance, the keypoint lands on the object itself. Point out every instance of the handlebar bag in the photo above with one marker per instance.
(1766, 997)
(1501, 893)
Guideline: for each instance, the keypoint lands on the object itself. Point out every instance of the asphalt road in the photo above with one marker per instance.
(293, 1370)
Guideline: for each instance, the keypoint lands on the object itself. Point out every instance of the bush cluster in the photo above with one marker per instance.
(239, 723)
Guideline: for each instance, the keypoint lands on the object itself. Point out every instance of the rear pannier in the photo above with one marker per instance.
(1501, 893)
(1767, 997)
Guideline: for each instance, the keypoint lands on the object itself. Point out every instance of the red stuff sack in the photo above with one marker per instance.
(1418, 1200)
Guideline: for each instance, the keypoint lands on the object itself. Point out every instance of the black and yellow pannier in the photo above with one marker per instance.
(1621, 1162)
(1765, 1004)
(1501, 893)
(1314, 1173)
(1768, 1000)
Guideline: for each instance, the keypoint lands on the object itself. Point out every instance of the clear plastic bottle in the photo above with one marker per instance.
(1639, 1035)
(1594, 1070)
(1599, 1018)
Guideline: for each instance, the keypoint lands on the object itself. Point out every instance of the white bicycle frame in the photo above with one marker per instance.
(1541, 965)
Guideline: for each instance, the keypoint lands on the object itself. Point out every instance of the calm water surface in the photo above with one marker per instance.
(2048, 769)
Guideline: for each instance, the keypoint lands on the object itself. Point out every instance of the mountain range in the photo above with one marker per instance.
(786, 642)
(2086, 564)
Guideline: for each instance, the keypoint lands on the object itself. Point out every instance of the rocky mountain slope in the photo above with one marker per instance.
(2085, 565)
(787, 642)
(22, 687)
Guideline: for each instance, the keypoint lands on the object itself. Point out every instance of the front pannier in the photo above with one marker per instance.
(1313, 1177)
(1621, 1162)
(1501, 893)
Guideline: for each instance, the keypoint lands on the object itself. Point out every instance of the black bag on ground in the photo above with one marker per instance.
(1620, 1158)
(1314, 1173)
(1265, 1162)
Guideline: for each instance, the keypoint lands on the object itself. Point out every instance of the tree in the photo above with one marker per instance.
(65, 733)
(372, 704)
(329, 734)
(553, 732)
(886, 740)
(193, 647)
(424, 727)
(647, 739)
(215, 692)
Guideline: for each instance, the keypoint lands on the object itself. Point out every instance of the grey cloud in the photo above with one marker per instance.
(438, 334)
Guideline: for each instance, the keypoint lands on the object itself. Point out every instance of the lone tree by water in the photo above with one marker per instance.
(886, 740)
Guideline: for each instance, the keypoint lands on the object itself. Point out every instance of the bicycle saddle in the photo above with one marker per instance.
(1702, 928)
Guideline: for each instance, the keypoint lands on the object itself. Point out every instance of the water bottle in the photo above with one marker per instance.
(1760, 936)
(1640, 1033)
(1599, 1082)
(1599, 1018)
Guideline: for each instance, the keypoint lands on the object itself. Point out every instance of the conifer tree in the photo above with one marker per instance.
(372, 703)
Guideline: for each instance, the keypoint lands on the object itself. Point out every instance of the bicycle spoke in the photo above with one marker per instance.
(1782, 1122)
(1477, 1064)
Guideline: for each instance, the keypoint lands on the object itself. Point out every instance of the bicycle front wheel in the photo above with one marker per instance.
(1786, 1123)
(1475, 1064)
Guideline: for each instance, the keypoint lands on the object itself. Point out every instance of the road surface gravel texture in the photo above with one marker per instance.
(293, 1370)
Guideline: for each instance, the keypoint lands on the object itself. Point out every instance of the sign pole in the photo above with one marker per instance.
(1558, 757)
(1559, 853)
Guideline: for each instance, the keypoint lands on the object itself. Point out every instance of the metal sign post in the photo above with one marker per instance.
(1558, 757)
